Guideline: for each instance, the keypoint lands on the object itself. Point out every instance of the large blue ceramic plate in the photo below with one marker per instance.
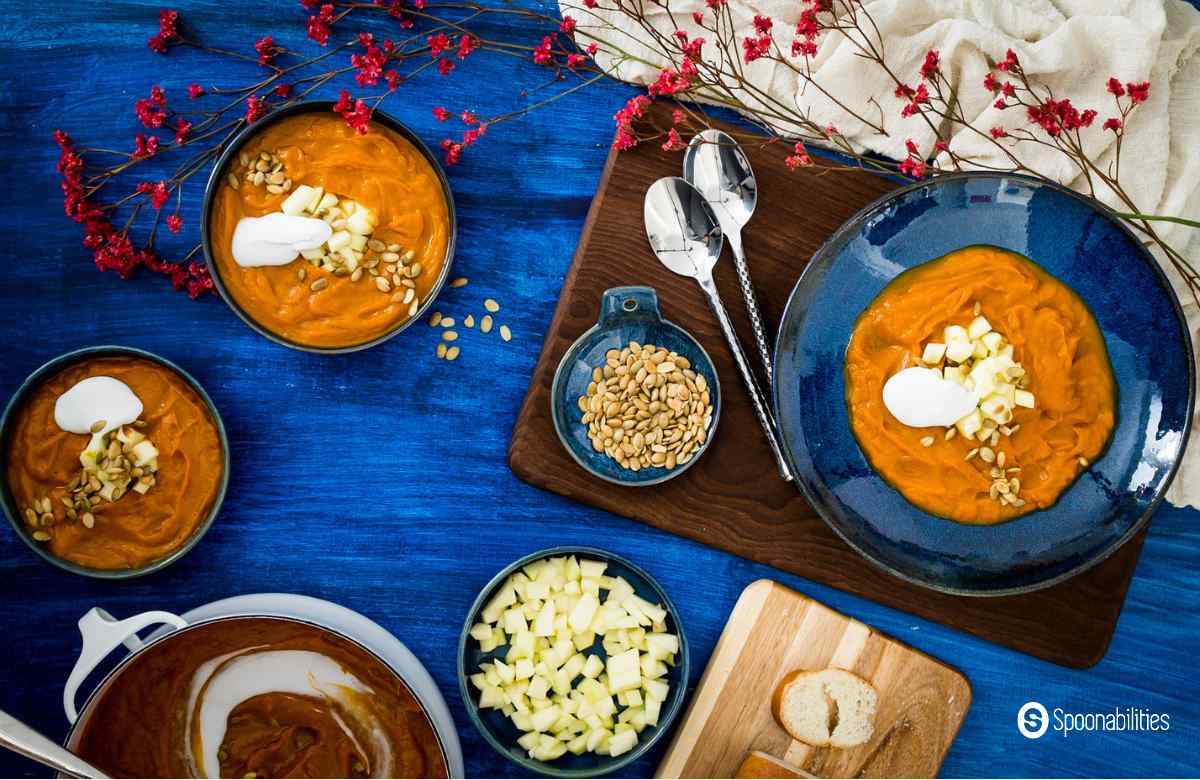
(1080, 243)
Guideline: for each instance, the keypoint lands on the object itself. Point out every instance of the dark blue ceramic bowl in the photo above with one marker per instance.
(499, 730)
(626, 314)
(1081, 243)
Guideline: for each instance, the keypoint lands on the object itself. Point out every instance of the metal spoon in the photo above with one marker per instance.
(684, 234)
(19, 738)
(715, 164)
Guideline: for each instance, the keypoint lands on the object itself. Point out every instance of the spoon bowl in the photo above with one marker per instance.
(682, 228)
(716, 165)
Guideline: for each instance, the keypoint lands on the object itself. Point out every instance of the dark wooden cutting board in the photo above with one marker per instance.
(733, 498)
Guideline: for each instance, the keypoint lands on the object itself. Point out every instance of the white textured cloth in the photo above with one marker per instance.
(1070, 46)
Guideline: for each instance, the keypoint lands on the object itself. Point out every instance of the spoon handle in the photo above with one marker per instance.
(756, 397)
(19, 738)
(760, 332)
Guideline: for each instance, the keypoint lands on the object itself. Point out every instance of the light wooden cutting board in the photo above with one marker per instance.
(773, 630)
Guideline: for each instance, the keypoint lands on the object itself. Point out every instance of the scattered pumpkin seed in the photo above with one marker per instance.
(441, 349)
(485, 324)
(469, 321)
(491, 305)
(927, 441)
(447, 322)
(450, 335)
(505, 333)
(459, 282)
(452, 353)
(319, 285)
(435, 319)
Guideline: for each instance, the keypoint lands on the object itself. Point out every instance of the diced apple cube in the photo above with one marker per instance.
(578, 746)
(584, 612)
(597, 737)
(360, 222)
(481, 631)
(955, 333)
(539, 687)
(143, 452)
(656, 690)
(523, 721)
(623, 671)
(328, 201)
(492, 697)
(1024, 398)
(995, 407)
(604, 707)
(339, 239)
(523, 669)
(933, 353)
(543, 624)
(529, 741)
(584, 640)
(959, 351)
(993, 341)
(978, 327)
(622, 743)
(970, 423)
(653, 709)
(590, 568)
(543, 719)
(297, 202)
(537, 590)
(507, 675)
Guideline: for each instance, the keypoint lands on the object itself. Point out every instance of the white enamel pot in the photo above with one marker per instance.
(102, 634)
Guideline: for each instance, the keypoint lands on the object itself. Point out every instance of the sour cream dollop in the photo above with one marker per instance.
(276, 239)
(923, 398)
(94, 399)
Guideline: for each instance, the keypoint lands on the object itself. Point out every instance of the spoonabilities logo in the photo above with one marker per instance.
(1032, 720)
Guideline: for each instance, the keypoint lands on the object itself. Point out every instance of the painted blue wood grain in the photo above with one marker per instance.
(378, 480)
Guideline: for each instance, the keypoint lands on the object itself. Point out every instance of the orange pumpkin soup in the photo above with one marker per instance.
(309, 304)
(1055, 340)
(135, 529)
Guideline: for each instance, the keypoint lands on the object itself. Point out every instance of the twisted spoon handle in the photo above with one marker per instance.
(734, 238)
(756, 397)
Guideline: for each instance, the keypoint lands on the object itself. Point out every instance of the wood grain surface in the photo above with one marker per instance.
(732, 498)
(774, 630)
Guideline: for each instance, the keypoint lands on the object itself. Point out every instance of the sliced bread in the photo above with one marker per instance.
(764, 766)
(831, 707)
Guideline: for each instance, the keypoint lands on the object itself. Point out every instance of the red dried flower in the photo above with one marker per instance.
(168, 31)
(394, 80)
(592, 48)
(283, 90)
(266, 49)
(673, 142)
(356, 113)
(589, 3)
(634, 109)
(575, 60)
(366, 40)
(159, 192)
(932, 65)
(799, 158)
(151, 111)
(919, 95)
(1009, 62)
(692, 49)
(990, 83)
(466, 45)
(182, 128)
(370, 66)
(763, 24)
(670, 82)
(445, 66)
(755, 48)
(1114, 86)
(144, 146)
(697, 16)
(568, 25)
(437, 44)
(472, 135)
(1138, 93)
(440, 113)
(174, 223)
(453, 151)
(468, 118)
(1000, 104)
(998, 132)
(319, 25)
(940, 145)
(678, 117)
(255, 108)
(1112, 123)
(195, 91)
(542, 54)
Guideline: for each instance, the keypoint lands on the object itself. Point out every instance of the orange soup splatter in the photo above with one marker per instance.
(136, 529)
(379, 170)
(1054, 337)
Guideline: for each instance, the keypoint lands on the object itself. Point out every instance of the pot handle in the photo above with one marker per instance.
(101, 634)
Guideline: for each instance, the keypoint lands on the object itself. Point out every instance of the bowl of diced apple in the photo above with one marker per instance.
(572, 662)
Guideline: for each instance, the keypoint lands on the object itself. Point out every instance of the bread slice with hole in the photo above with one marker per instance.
(764, 766)
(827, 708)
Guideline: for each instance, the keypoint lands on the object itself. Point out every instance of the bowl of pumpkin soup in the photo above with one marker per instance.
(984, 383)
(323, 238)
(114, 462)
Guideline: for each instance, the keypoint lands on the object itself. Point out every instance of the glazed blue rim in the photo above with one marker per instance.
(666, 718)
(244, 136)
(54, 366)
(562, 372)
(827, 251)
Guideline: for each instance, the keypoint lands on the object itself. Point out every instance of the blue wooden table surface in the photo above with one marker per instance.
(378, 480)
